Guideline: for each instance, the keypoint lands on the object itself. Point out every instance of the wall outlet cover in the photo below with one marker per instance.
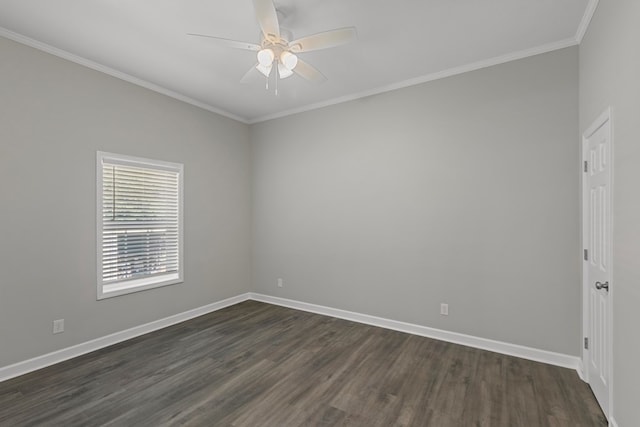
(444, 309)
(58, 326)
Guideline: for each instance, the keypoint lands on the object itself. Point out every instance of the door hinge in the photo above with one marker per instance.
(586, 343)
(586, 166)
(586, 254)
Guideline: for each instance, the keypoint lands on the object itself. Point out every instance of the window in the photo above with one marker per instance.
(139, 224)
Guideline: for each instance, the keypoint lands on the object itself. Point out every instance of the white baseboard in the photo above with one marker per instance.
(551, 358)
(580, 370)
(43, 361)
(529, 353)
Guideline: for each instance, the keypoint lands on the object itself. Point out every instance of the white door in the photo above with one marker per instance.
(597, 272)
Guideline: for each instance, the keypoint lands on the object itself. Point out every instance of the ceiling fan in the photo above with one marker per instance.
(276, 49)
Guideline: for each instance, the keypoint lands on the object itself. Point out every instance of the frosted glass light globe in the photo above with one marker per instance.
(265, 57)
(289, 60)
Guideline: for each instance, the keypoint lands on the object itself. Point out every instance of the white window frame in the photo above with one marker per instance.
(108, 290)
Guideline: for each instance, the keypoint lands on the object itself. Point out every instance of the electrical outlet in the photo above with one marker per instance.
(280, 282)
(58, 326)
(444, 309)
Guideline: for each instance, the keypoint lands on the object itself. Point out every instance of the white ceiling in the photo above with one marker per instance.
(399, 43)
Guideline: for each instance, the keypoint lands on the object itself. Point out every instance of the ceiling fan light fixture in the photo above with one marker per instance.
(289, 60)
(277, 47)
(266, 70)
(283, 71)
(266, 57)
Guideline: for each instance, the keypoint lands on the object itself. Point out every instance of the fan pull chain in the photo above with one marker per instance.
(277, 78)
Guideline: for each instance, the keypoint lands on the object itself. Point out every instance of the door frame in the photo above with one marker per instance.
(606, 116)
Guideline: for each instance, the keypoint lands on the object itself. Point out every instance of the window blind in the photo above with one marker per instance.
(140, 222)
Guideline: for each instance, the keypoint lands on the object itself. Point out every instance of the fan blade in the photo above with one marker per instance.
(250, 75)
(268, 19)
(230, 43)
(324, 40)
(306, 71)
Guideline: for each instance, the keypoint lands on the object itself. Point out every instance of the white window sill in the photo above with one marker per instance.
(137, 285)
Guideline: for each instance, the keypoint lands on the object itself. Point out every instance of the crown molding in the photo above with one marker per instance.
(586, 20)
(339, 100)
(19, 38)
(424, 79)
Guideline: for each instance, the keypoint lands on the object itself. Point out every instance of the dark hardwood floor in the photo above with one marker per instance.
(255, 364)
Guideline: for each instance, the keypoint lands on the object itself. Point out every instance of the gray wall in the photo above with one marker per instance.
(463, 190)
(610, 76)
(54, 116)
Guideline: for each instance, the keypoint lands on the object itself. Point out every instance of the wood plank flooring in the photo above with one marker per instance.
(255, 364)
